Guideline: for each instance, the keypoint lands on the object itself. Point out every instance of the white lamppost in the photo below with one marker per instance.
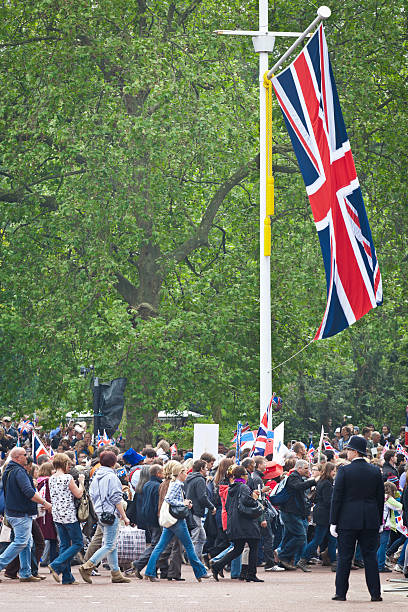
(263, 42)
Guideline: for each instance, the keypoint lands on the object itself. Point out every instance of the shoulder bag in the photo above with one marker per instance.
(251, 512)
(106, 518)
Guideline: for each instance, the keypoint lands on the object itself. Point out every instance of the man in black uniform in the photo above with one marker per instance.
(356, 516)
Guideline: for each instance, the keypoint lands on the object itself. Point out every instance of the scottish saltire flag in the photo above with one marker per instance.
(38, 447)
(24, 427)
(307, 95)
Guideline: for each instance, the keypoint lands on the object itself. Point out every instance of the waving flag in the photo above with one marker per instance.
(386, 447)
(311, 451)
(104, 440)
(173, 450)
(244, 429)
(264, 435)
(24, 427)
(329, 447)
(38, 447)
(401, 450)
(307, 94)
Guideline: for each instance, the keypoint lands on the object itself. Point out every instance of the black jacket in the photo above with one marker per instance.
(196, 489)
(388, 469)
(18, 491)
(239, 526)
(358, 496)
(150, 503)
(324, 494)
(298, 503)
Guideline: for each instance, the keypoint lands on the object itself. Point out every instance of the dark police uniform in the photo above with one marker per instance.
(357, 510)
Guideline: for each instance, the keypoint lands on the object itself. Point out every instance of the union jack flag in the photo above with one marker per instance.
(329, 447)
(244, 430)
(401, 450)
(104, 440)
(173, 450)
(24, 427)
(311, 450)
(385, 449)
(264, 434)
(308, 97)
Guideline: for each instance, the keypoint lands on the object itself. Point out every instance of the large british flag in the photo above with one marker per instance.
(308, 97)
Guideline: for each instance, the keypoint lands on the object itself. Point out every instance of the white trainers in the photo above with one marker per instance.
(398, 568)
(274, 568)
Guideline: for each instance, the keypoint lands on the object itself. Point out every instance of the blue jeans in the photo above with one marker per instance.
(235, 563)
(71, 542)
(384, 539)
(21, 545)
(180, 530)
(294, 536)
(108, 549)
(320, 533)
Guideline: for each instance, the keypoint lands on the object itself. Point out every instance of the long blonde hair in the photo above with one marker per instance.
(168, 468)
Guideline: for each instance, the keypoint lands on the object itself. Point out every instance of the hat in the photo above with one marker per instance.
(272, 470)
(337, 430)
(133, 457)
(7, 418)
(78, 429)
(188, 455)
(358, 443)
(394, 479)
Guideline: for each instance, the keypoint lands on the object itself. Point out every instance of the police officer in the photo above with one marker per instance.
(356, 516)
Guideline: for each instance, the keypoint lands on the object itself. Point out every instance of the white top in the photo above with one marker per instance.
(63, 507)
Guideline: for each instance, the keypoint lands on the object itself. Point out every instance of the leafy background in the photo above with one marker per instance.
(129, 213)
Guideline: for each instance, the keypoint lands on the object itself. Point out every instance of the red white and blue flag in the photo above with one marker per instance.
(24, 427)
(38, 447)
(329, 447)
(173, 450)
(264, 434)
(104, 440)
(245, 429)
(308, 97)
(401, 451)
(311, 451)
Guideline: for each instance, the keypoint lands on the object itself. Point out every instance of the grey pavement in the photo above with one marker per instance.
(283, 591)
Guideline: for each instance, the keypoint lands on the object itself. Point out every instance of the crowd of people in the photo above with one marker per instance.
(217, 513)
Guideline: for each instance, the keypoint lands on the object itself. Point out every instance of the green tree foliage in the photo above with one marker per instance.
(129, 212)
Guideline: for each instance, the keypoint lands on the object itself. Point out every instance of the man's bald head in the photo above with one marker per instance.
(18, 455)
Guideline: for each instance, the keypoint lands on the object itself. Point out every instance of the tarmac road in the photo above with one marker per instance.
(283, 591)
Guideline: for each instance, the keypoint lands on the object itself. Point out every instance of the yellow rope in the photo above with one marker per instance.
(270, 190)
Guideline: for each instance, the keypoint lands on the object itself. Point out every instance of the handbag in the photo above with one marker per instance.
(165, 518)
(82, 509)
(251, 512)
(5, 533)
(179, 512)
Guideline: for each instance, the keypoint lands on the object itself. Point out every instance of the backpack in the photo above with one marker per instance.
(282, 495)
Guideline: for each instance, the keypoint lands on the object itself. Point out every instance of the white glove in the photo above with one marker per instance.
(381, 529)
(333, 531)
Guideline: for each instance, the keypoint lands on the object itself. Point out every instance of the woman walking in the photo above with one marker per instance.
(241, 526)
(45, 521)
(175, 498)
(321, 514)
(63, 490)
(106, 494)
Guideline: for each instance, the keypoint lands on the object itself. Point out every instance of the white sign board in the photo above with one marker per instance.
(279, 449)
(205, 439)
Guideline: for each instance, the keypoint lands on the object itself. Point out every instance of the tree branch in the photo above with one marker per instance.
(200, 237)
